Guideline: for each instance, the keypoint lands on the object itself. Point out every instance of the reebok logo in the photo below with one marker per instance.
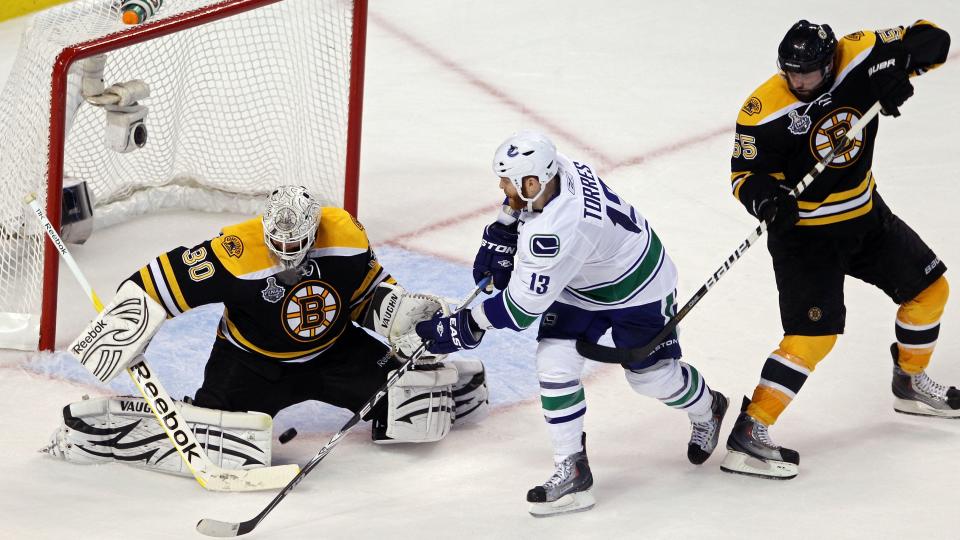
(89, 338)
(168, 413)
(881, 66)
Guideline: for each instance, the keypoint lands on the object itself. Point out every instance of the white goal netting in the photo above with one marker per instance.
(236, 107)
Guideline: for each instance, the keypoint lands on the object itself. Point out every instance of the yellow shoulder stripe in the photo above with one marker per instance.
(241, 250)
(339, 229)
(772, 96)
(852, 45)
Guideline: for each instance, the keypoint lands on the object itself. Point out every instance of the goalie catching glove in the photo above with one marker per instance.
(120, 333)
(394, 312)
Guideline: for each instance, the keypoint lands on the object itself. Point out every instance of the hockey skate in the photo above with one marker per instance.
(704, 436)
(920, 395)
(568, 490)
(751, 452)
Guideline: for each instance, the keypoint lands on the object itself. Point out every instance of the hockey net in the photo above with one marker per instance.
(244, 95)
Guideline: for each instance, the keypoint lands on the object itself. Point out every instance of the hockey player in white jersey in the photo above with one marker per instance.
(586, 262)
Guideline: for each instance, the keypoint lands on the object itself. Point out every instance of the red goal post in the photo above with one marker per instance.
(283, 80)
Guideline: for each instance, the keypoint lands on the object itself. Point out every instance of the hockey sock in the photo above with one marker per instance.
(918, 326)
(564, 405)
(784, 373)
(676, 384)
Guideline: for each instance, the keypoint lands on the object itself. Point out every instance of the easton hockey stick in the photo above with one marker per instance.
(614, 355)
(224, 529)
(166, 411)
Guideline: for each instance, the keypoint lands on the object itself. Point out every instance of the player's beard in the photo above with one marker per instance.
(516, 203)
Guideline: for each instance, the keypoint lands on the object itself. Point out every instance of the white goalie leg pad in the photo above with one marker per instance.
(394, 312)
(420, 405)
(470, 393)
(120, 333)
(122, 429)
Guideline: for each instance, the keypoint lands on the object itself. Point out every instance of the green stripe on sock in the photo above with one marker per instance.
(694, 384)
(558, 403)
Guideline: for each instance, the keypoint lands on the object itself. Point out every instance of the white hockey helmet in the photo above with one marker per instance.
(523, 154)
(290, 221)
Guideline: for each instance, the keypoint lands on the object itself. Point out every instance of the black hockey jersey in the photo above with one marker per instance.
(293, 317)
(781, 136)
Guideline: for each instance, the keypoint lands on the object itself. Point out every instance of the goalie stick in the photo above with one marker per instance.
(614, 355)
(225, 529)
(207, 474)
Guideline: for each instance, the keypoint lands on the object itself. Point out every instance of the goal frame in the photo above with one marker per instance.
(146, 32)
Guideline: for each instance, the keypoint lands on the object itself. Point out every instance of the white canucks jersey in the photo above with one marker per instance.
(588, 248)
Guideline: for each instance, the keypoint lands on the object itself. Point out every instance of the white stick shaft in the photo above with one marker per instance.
(58, 243)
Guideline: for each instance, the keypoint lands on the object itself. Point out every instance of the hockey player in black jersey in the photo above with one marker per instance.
(299, 285)
(840, 226)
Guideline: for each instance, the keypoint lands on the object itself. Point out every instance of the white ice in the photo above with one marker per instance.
(648, 92)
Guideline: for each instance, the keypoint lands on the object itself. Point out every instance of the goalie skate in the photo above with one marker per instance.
(751, 452)
(920, 395)
(568, 490)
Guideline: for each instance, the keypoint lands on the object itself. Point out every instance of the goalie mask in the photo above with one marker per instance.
(290, 222)
(526, 153)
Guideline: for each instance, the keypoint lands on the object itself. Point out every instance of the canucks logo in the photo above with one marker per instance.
(310, 310)
(829, 134)
(273, 293)
(544, 245)
(799, 123)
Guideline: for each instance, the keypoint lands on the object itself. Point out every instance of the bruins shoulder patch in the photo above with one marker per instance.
(752, 106)
(856, 36)
(233, 245)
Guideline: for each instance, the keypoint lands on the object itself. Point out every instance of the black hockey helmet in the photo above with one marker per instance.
(807, 47)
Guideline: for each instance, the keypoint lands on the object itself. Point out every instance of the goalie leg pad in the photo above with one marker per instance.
(120, 333)
(122, 429)
(470, 393)
(419, 406)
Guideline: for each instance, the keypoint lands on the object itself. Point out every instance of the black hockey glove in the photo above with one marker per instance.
(495, 257)
(780, 212)
(890, 82)
(769, 199)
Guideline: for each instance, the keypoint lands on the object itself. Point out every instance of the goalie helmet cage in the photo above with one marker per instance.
(244, 95)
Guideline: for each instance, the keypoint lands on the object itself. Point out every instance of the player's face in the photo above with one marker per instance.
(805, 85)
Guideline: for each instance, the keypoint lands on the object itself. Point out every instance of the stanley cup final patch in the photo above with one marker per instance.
(273, 293)
(544, 245)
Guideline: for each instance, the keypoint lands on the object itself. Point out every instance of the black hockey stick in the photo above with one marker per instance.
(224, 529)
(613, 355)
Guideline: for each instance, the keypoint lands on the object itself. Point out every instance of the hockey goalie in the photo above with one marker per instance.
(301, 288)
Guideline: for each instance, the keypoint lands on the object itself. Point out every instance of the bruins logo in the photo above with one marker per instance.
(233, 245)
(310, 310)
(814, 314)
(752, 106)
(856, 36)
(829, 134)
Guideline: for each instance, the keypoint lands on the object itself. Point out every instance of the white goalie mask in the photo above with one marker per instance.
(290, 221)
(526, 153)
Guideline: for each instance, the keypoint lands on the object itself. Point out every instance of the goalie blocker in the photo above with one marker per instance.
(123, 429)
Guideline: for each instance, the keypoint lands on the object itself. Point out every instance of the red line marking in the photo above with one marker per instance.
(603, 161)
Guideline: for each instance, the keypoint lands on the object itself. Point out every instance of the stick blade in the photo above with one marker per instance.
(260, 479)
(218, 529)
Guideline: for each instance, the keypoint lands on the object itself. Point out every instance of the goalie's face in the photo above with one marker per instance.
(290, 222)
